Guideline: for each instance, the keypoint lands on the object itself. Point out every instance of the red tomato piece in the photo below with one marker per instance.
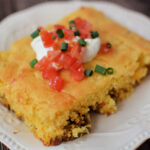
(53, 55)
(54, 34)
(106, 48)
(46, 38)
(41, 28)
(49, 73)
(69, 35)
(57, 66)
(78, 74)
(57, 44)
(58, 26)
(56, 83)
(75, 50)
(42, 64)
(84, 27)
(66, 60)
(76, 65)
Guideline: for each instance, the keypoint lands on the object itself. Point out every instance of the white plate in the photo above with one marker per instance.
(124, 130)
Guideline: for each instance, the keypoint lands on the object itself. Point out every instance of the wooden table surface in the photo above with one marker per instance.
(9, 6)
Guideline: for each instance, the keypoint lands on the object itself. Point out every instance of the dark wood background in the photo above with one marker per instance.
(9, 6)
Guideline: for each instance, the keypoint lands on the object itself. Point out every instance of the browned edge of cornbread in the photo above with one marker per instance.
(82, 121)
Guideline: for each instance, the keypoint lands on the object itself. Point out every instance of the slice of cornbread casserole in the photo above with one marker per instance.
(55, 116)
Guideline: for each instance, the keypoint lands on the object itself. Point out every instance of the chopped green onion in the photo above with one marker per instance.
(94, 34)
(76, 33)
(72, 24)
(33, 62)
(100, 69)
(82, 42)
(35, 33)
(110, 71)
(64, 47)
(53, 37)
(88, 72)
(108, 45)
(60, 33)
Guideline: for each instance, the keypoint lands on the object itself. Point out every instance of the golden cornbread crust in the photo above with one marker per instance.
(54, 116)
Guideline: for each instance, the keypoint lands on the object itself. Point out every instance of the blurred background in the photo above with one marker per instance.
(10, 6)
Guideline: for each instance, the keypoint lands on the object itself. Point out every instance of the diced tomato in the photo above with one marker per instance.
(57, 44)
(76, 65)
(56, 83)
(104, 49)
(42, 64)
(53, 55)
(75, 50)
(69, 35)
(41, 28)
(58, 26)
(57, 66)
(46, 38)
(49, 73)
(78, 74)
(54, 33)
(66, 60)
(84, 27)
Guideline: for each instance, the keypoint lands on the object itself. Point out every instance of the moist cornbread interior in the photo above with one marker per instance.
(53, 116)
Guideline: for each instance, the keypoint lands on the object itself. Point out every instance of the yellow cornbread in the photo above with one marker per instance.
(54, 116)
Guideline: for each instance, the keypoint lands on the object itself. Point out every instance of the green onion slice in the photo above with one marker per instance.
(64, 47)
(94, 34)
(33, 62)
(76, 33)
(110, 71)
(108, 45)
(35, 33)
(60, 33)
(72, 24)
(88, 72)
(53, 37)
(82, 42)
(100, 69)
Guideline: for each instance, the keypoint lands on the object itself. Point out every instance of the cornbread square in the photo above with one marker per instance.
(54, 116)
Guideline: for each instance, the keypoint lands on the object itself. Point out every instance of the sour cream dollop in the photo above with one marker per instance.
(39, 48)
(92, 48)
